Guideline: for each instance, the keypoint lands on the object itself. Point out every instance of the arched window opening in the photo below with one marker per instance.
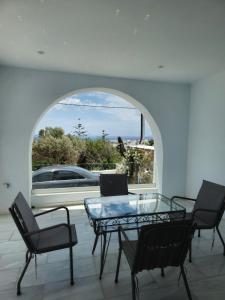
(88, 133)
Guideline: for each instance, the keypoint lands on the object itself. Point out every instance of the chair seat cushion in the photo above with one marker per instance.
(56, 238)
(200, 224)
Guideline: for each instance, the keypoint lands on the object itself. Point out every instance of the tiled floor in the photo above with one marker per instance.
(206, 274)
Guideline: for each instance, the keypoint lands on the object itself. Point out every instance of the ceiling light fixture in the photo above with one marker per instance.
(147, 16)
(117, 12)
(20, 18)
(161, 67)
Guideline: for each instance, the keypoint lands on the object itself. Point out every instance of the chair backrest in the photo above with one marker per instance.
(113, 184)
(210, 196)
(161, 245)
(25, 220)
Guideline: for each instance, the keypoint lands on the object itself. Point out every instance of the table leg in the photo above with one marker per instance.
(104, 251)
(95, 243)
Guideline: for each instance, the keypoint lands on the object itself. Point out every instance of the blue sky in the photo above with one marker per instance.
(115, 121)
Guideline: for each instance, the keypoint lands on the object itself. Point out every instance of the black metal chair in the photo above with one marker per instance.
(158, 246)
(208, 209)
(44, 240)
(111, 185)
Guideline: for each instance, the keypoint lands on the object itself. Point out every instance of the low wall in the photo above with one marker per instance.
(73, 196)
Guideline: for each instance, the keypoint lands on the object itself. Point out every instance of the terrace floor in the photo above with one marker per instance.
(206, 274)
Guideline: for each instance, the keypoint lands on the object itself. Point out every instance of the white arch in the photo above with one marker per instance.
(155, 130)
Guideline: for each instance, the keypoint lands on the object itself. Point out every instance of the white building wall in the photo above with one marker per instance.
(25, 94)
(206, 145)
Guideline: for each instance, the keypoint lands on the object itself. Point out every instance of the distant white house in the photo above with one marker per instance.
(143, 147)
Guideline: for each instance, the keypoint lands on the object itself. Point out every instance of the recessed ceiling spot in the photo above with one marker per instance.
(135, 31)
(41, 52)
(117, 12)
(161, 67)
(20, 18)
(147, 16)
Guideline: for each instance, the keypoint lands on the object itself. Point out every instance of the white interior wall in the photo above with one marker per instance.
(206, 144)
(25, 94)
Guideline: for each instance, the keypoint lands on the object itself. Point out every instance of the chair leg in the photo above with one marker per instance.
(133, 287)
(71, 266)
(185, 282)
(118, 265)
(95, 243)
(199, 232)
(103, 253)
(190, 251)
(221, 238)
(23, 272)
(26, 257)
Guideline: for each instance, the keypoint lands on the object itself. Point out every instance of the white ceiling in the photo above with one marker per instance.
(122, 38)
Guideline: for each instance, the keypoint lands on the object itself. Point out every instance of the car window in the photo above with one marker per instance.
(45, 176)
(66, 175)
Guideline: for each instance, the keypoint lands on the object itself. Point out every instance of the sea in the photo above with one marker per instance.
(113, 138)
(124, 138)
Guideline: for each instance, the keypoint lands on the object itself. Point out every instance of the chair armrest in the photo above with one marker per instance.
(54, 209)
(180, 197)
(28, 234)
(205, 210)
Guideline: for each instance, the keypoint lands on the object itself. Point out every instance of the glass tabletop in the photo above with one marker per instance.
(101, 208)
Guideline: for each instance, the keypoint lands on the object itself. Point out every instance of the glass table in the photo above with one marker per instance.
(130, 211)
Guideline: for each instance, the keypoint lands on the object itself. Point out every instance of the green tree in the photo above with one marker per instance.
(151, 142)
(56, 132)
(133, 160)
(50, 150)
(139, 165)
(79, 130)
(54, 147)
(79, 146)
(100, 154)
(41, 133)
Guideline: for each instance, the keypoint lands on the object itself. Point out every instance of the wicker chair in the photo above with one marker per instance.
(44, 240)
(208, 209)
(158, 246)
